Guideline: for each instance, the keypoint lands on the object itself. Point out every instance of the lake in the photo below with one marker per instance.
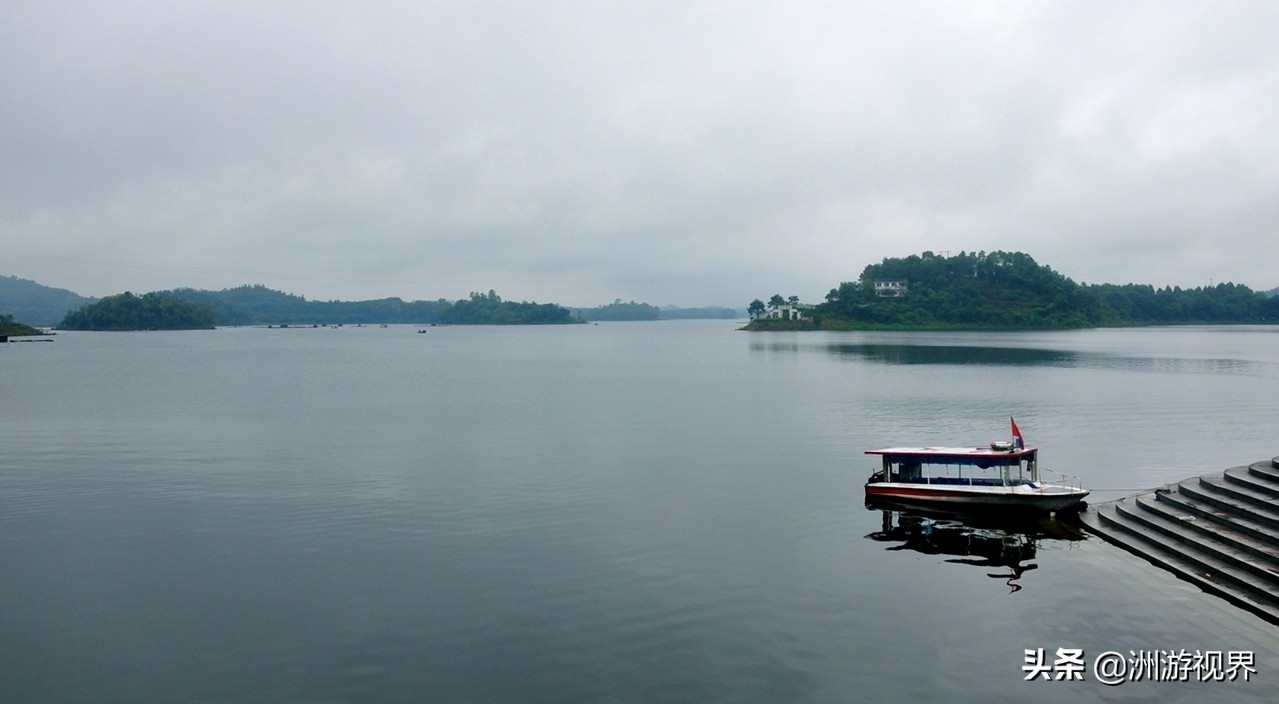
(624, 512)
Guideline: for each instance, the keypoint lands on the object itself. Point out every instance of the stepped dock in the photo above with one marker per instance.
(1218, 531)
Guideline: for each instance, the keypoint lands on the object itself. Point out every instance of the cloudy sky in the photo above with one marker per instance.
(682, 152)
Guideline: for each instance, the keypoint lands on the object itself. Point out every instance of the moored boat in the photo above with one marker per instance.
(1003, 475)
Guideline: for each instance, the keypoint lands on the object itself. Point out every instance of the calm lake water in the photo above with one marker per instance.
(628, 512)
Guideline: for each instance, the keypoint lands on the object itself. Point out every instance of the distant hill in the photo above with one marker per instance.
(259, 305)
(705, 312)
(36, 304)
(617, 310)
(1011, 291)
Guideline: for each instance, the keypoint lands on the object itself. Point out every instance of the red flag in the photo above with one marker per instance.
(1018, 441)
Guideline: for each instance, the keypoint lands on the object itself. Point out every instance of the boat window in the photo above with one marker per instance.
(910, 470)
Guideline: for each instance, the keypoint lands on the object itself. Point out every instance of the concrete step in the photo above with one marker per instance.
(1245, 564)
(1264, 550)
(1260, 501)
(1265, 470)
(1208, 491)
(1104, 520)
(1218, 531)
(1225, 521)
(1259, 484)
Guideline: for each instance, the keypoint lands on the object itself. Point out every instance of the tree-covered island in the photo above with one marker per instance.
(181, 309)
(617, 310)
(150, 311)
(490, 309)
(1003, 291)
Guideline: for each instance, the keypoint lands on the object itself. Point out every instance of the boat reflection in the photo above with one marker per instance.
(1005, 545)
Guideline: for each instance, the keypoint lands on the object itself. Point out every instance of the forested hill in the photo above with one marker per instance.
(259, 305)
(1010, 290)
(35, 303)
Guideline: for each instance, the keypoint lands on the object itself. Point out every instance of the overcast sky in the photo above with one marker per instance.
(685, 153)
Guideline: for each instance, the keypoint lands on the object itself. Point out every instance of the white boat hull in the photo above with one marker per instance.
(1041, 497)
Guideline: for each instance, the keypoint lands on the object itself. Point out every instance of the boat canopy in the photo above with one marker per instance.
(979, 456)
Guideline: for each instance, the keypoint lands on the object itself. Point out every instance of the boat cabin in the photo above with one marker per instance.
(1000, 465)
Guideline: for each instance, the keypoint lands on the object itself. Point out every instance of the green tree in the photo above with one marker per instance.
(12, 328)
(151, 311)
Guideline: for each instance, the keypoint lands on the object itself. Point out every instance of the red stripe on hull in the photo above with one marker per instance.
(930, 494)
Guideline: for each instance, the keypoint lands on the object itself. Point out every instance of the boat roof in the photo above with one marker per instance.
(941, 454)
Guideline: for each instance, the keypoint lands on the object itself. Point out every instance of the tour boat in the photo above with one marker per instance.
(1003, 475)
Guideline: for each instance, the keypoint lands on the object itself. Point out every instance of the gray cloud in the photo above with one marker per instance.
(683, 153)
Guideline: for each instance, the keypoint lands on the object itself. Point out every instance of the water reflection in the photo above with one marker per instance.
(907, 354)
(954, 354)
(1005, 545)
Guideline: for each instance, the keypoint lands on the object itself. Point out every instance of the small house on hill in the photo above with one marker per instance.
(890, 288)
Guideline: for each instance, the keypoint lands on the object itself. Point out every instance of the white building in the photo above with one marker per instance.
(786, 311)
(890, 288)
